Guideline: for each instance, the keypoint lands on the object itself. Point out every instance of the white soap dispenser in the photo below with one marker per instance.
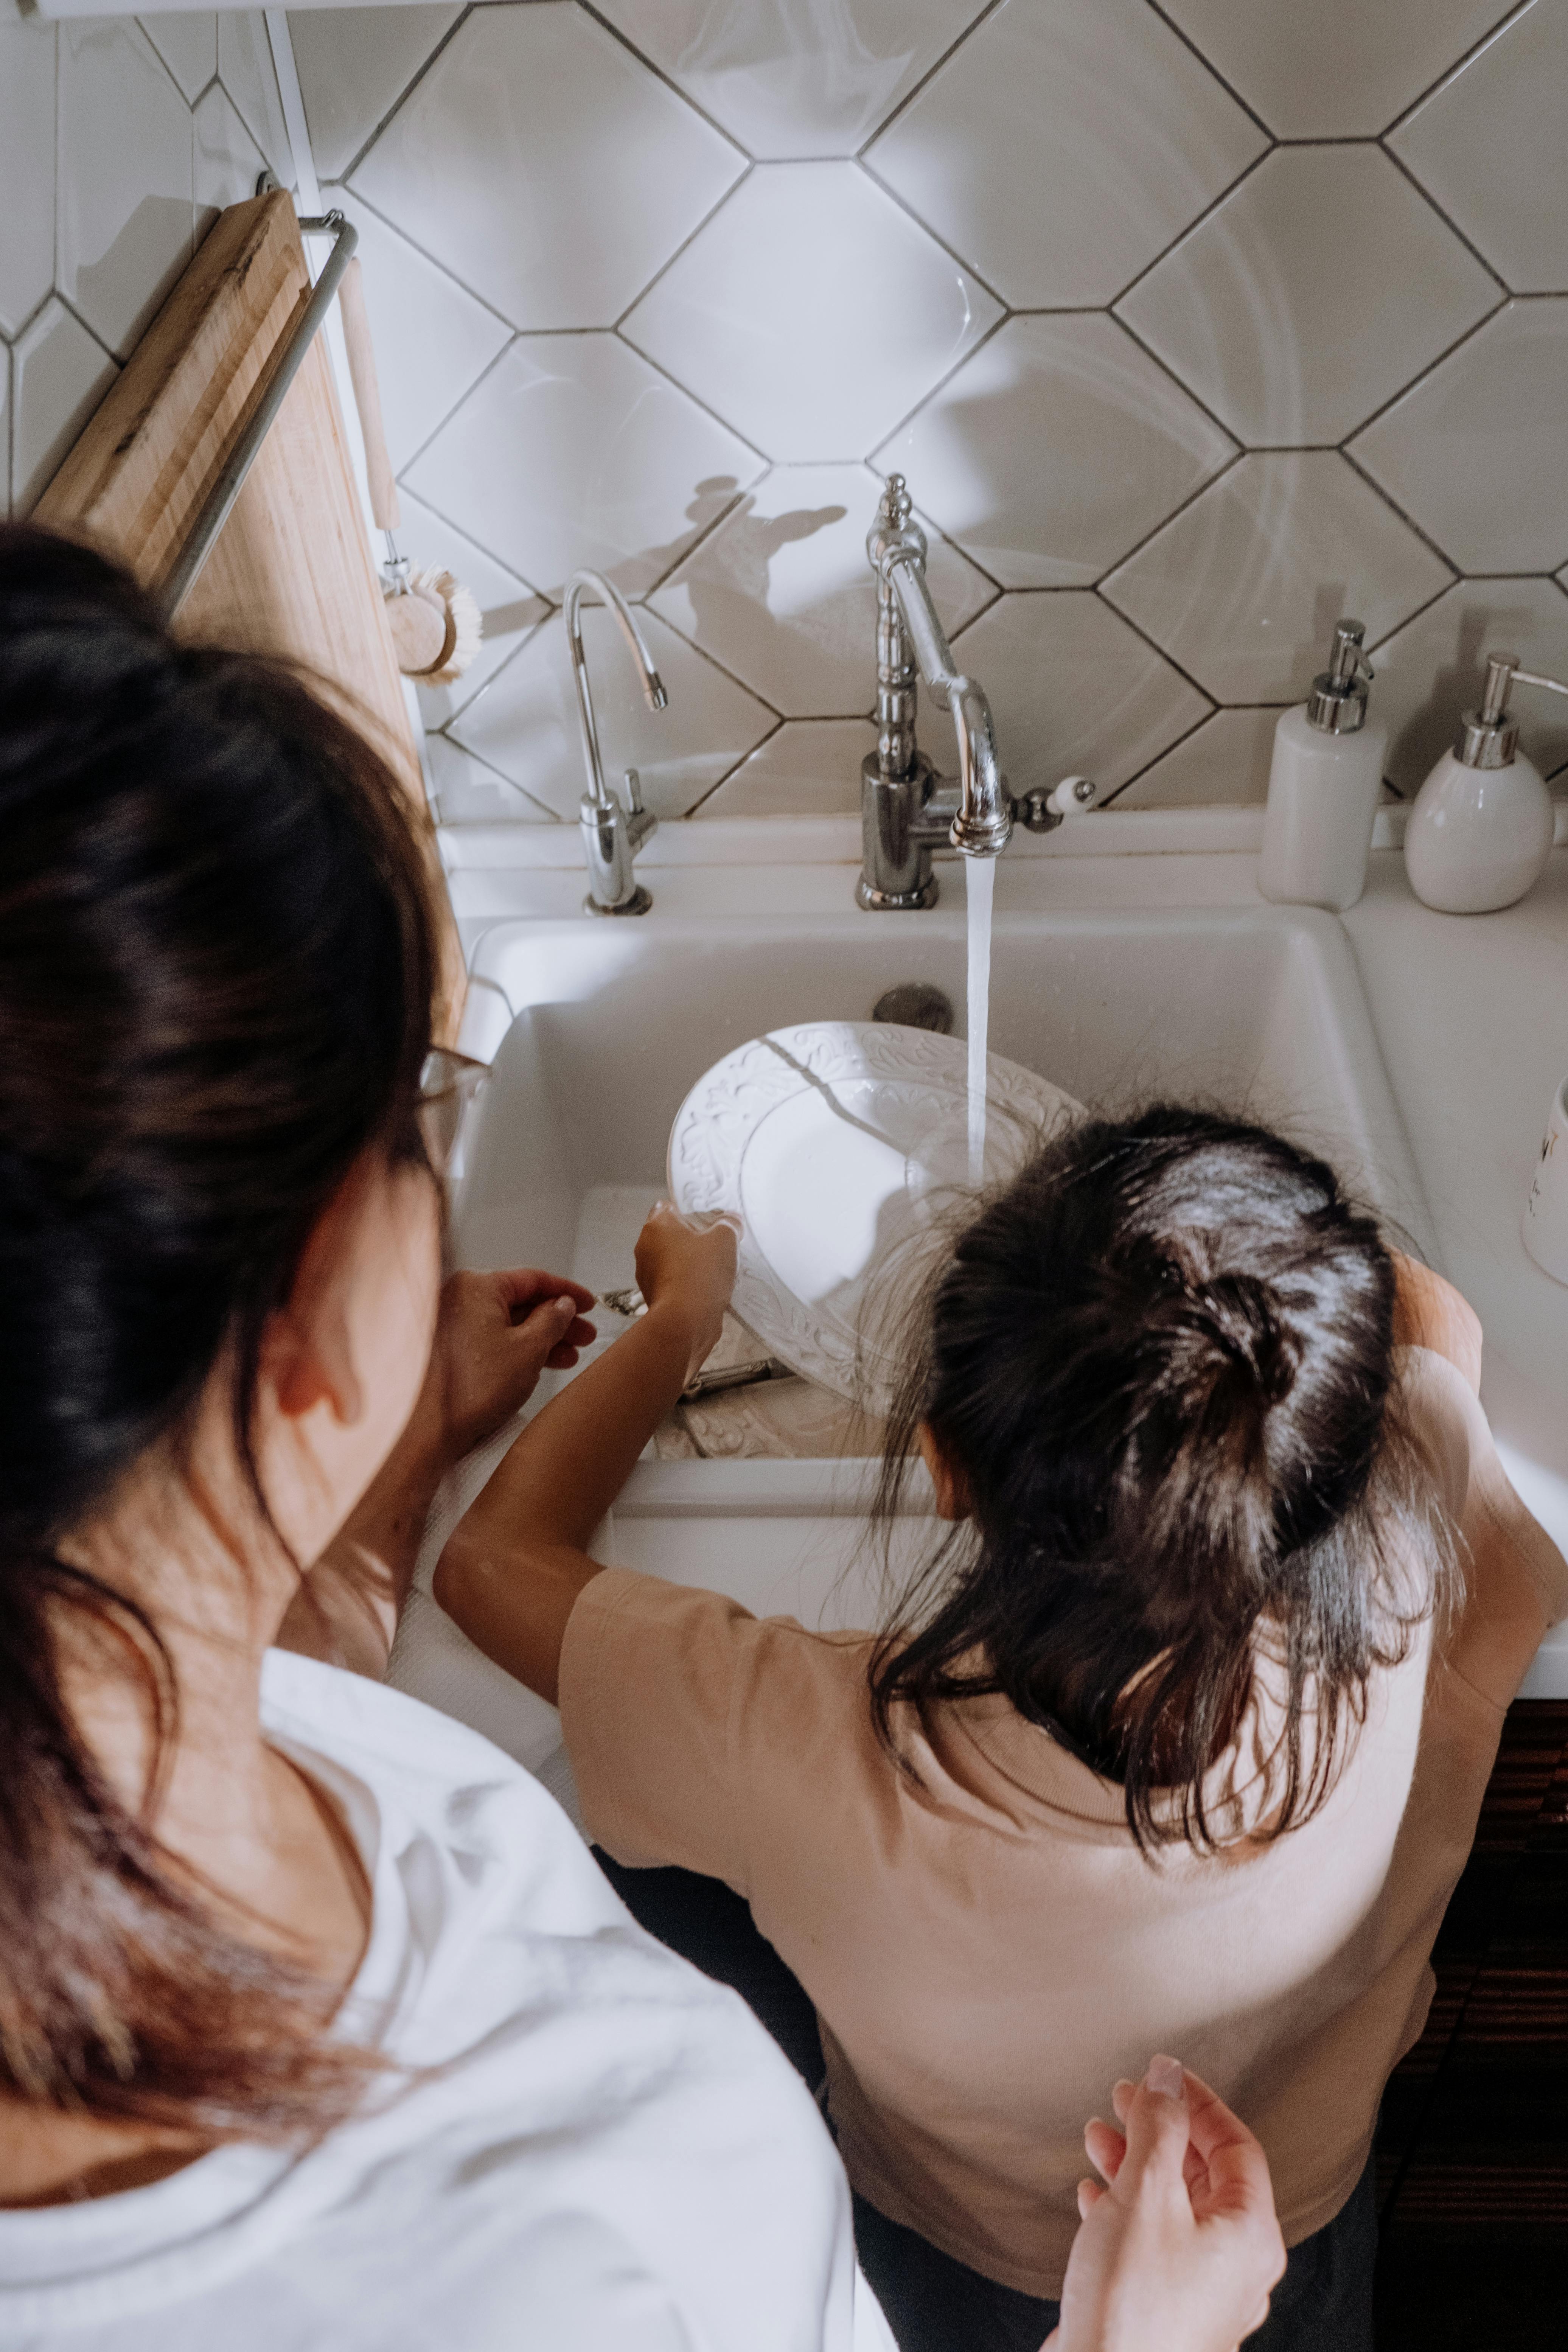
(1481, 831)
(1324, 785)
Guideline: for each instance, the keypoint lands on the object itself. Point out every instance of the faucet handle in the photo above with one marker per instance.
(1043, 811)
(632, 782)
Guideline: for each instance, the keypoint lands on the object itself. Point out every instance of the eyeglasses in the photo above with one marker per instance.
(449, 1083)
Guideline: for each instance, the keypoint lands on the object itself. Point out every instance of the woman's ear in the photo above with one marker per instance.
(951, 1486)
(309, 1353)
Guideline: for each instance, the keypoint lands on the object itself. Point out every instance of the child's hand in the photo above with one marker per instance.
(1181, 2248)
(687, 1270)
(1429, 1313)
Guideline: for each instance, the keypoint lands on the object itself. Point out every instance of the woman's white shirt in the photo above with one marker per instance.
(600, 2148)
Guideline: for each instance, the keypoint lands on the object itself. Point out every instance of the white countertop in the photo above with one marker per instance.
(1470, 1014)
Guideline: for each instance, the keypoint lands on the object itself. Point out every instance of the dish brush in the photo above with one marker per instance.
(436, 622)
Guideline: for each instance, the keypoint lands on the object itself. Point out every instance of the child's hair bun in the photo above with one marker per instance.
(1240, 1312)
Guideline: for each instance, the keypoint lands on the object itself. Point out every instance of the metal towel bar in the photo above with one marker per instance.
(220, 498)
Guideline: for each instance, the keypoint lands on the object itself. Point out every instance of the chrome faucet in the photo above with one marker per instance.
(612, 833)
(906, 808)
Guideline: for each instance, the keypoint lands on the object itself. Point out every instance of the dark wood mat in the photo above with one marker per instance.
(1473, 2146)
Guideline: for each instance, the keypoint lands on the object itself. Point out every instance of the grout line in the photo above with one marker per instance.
(1191, 500)
(1451, 72)
(1174, 745)
(188, 103)
(340, 178)
(650, 65)
(88, 328)
(1209, 66)
(705, 531)
(1430, 368)
(546, 813)
(902, 203)
(941, 384)
(1352, 460)
(1449, 223)
(1236, 442)
(437, 430)
(1425, 605)
(459, 718)
(1192, 228)
(1155, 648)
(929, 75)
(393, 228)
(668, 264)
(706, 654)
(702, 798)
(761, 456)
(59, 158)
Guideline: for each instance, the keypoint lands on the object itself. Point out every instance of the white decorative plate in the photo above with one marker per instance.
(838, 1144)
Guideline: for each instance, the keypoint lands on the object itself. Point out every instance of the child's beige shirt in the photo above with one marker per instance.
(986, 1948)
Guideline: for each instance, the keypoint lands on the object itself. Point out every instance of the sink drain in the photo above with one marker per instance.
(916, 1005)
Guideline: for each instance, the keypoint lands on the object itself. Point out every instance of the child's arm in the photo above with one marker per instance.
(514, 1565)
(1429, 1313)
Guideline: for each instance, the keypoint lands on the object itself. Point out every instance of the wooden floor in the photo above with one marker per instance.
(1473, 2149)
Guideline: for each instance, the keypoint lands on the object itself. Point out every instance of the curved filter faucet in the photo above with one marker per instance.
(612, 832)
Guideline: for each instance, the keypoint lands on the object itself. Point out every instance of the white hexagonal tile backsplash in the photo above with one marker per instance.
(525, 722)
(27, 166)
(783, 595)
(1311, 296)
(1488, 146)
(652, 281)
(1053, 451)
(543, 165)
(1244, 586)
(819, 352)
(125, 185)
(1332, 68)
(1064, 145)
(1474, 452)
(1074, 691)
(573, 450)
(788, 82)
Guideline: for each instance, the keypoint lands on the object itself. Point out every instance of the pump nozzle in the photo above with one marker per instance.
(1337, 703)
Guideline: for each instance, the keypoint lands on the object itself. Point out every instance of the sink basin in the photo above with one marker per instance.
(1256, 1010)
(1251, 1008)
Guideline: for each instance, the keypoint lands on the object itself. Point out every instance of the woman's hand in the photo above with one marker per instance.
(1181, 2248)
(516, 1562)
(687, 1271)
(495, 1333)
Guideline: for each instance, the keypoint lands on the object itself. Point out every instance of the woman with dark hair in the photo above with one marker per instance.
(318, 2024)
(1177, 1740)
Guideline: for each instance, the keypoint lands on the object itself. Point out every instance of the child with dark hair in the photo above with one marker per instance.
(1177, 1740)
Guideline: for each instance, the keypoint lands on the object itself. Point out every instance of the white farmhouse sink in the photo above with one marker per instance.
(1253, 1008)
(1256, 1009)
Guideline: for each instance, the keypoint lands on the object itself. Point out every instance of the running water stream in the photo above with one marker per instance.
(980, 883)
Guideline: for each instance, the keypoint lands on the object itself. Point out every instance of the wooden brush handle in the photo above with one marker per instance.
(383, 503)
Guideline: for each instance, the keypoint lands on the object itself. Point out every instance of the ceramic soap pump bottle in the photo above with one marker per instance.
(1324, 785)
(1481, 831)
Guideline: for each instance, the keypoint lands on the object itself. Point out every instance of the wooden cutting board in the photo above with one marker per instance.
(292, 572)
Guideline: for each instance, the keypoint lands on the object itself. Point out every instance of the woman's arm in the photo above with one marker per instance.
(494, 1334)
(514, 1567)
